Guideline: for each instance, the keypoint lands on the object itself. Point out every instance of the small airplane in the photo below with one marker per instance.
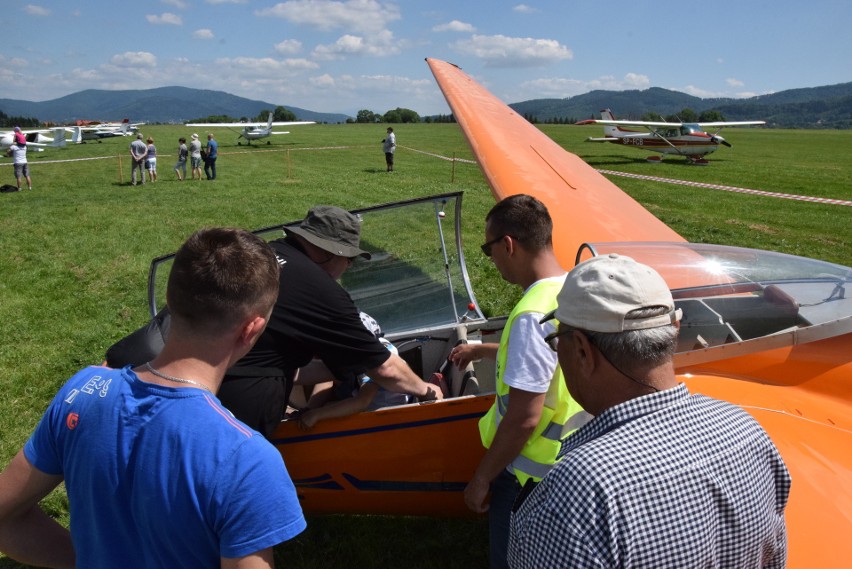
(689, 140)
(253, 131)
(108, 130)
(41, 139)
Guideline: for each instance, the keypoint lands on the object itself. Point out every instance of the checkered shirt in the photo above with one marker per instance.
(665, 480)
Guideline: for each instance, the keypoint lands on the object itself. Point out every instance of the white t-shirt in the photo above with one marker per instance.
(19, 154)
(529, 360)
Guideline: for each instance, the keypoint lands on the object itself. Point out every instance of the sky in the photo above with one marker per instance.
(341, 56)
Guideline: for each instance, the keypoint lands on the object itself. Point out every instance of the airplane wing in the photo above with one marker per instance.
(516, 157)
(646, 124)
(656, 124)
(724, 124)
(292, 123)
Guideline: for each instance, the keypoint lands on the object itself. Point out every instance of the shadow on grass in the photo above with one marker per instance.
(368, 542)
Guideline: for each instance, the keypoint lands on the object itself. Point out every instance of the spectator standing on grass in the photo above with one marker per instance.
(210, 160)
(180, 167)
(195, 157)
(138, 151)
(151, 160)
(18, 152)
(532, 412)
(659, 477)
(158, 473)
(389, 147)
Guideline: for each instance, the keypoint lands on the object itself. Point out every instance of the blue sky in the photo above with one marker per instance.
(346, 55)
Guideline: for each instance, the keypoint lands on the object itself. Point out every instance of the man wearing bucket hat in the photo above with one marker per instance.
(314, 318)
(660, 477)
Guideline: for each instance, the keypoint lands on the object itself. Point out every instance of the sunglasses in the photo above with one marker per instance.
(486, 247)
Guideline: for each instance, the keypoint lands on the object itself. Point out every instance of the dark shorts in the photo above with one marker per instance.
(389, 157)
(22, 170)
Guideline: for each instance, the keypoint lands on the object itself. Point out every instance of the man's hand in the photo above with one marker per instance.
(475, 495)
(463, 354)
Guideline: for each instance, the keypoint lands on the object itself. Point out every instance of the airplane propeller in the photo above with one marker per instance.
(719, 140)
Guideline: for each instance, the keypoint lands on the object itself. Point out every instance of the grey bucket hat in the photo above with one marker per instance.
(331, 229)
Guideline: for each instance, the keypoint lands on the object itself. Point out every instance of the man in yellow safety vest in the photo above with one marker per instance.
(532, 412)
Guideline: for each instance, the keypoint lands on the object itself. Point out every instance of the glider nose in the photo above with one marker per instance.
(720, 140)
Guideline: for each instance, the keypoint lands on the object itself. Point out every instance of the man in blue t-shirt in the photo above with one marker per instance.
(210, 161)
(158, 472)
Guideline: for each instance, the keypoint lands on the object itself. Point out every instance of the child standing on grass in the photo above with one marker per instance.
(180, 167)
(151, 161)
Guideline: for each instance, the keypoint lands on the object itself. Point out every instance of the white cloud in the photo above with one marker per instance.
(165, 18)
(358, 16)
(203, 34)
(734, 82)
(134, 59)
(637, 81)
(454, 26)
(300, 63)
(377, 45)
(324, 80)
(503, 51)
(12, 61)
(524, 9)
(34, 10)
(179, 4)
(560, 88)
(288, 47)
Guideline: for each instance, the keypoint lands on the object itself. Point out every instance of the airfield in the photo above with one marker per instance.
(77, 249)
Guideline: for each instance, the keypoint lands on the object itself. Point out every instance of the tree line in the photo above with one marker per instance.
(280, 114)
(24, 122)
(685, 115)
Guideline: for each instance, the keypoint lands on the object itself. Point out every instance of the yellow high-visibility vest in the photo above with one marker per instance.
(560, 416)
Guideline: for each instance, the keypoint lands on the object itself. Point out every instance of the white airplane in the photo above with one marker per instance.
(107, 130)
(39, 139)
(252, 131)
(684, 139)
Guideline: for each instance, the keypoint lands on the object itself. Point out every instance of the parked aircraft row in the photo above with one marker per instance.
(42, 138)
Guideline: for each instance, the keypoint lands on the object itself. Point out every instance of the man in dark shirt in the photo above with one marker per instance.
(313, 317)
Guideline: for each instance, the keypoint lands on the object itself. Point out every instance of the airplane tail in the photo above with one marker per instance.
(124, 128)
(58, 137)
(269, 122)
(609, 130)
(76, 134)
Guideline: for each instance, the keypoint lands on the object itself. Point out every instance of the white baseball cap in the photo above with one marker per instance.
(600, 293)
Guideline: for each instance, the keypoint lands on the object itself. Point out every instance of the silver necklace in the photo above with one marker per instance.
(158, 373)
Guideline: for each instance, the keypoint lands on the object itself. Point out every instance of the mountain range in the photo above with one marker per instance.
(160, 105)
(816, 107)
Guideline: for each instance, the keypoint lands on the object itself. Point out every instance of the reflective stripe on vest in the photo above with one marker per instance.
(560, 415)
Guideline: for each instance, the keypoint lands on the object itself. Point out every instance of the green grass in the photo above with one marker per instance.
(76, 251)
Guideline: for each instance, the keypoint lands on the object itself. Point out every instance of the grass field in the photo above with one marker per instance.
(76, 251)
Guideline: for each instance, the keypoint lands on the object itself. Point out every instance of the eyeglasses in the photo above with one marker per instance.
(486, 247)
(552, 339)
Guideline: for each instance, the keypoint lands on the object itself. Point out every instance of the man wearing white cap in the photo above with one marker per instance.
(660, 477)
(195, 156)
